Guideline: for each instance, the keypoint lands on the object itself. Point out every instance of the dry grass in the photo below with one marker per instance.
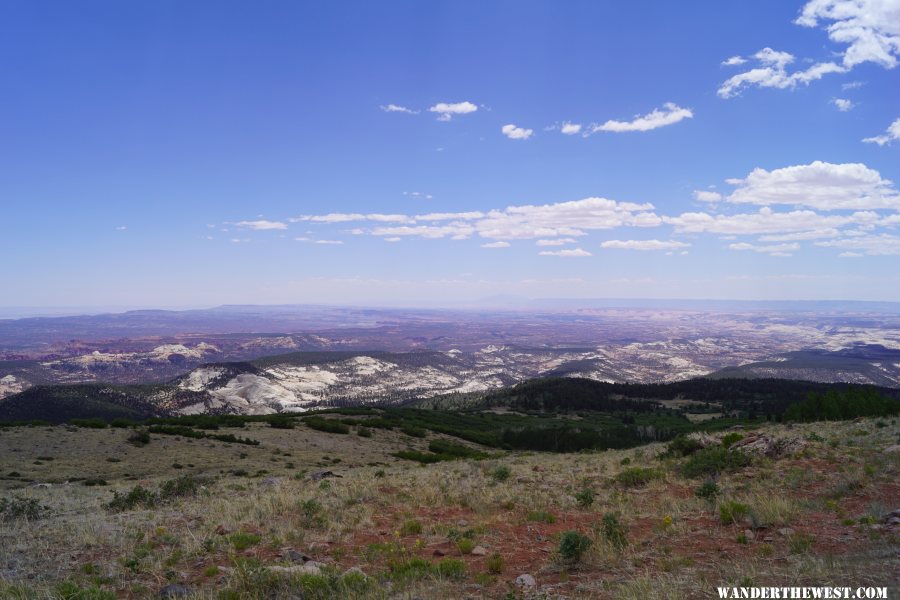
(676, 545)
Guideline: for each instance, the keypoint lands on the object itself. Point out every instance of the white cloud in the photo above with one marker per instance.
(446, 110)
(765, 222)
(870, 29)
(461, 216)
(669, 115)
(315, 241)
(820, 185)
(644, 245)
(564, 219)
(516, 133)
(397, 108)
(559, 220)
(347, 217)
(261, 225)
(455, 231)
(574, 252)
(707, 196)
(570, 128)
(496, 245)
(121, 228)
(556, 242)
(420, 195)
(884, 244)
(852, 85)
(734, 61)
(772, 73)
(813, 234)
(392, 239)
(843, 104)
(773, 250)
(892, 134)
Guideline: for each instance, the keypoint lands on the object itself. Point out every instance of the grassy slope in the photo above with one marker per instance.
(393, 525)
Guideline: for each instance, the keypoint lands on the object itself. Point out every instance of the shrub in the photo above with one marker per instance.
(89, 423)
(139, 438)
(801, 543)
(585, 497)
(711, 461)
(186, 485)
(312, 512)
(137, 496)
(364, 432)
(465, 545)
(541, 516)
(494, 563)
(683, 446)
(121, 423)
(572, 545)
(637, 476)
(501, 473)
(281, 422)
(708, 490)
(326, 425)
(92, 481)
(242, 541)
(731, 438)
(732, 512)
(15, 508)
(413, 431)
(451, 568)
(613, 531)
(411, 527)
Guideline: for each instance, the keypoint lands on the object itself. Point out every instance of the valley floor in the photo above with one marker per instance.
(262, 522)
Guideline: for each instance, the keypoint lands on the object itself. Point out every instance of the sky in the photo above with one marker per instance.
(167, 153)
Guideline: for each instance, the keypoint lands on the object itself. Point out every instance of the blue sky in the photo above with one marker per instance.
(173, 154)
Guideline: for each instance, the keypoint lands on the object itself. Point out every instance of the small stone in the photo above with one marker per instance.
(892, 449)
(785, 531)
(270, 482)
(462, 523)
(221, 530)
(297, 557)
(525, 580)
(174, 591)
(355, 570)
(748, 533)
(309, 568)
(438, 552)
(320, 475)
(479, 551)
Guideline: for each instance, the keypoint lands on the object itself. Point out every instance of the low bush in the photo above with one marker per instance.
(711, 461)
(572, 545)
(326, 425)
(540, 516)
(683, 446)
(17, 507)
(494, 563)
(731, 438)
(613, 531)
(708, 490)
(637, 476)
(89, 423)
(139, 438)
(500, 473)
(733, 512)
(585, 497)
